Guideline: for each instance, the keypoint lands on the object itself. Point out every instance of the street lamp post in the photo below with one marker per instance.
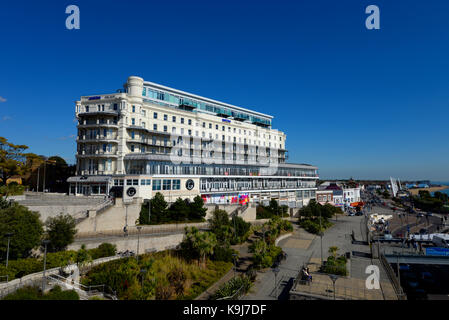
(235, 229)
(138, 239)
(45, 243)
(8, 235)
(45, 164)
(321, 237)
(334, 279)
(276, 271)
(38, 169)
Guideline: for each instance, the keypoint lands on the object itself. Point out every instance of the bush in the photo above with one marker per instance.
(103, 250)
(34, 293)
(335, 264)
(264, 254)
(310, 226)
(21, 267)
(223, 253)
(234, 288)
(313, 225)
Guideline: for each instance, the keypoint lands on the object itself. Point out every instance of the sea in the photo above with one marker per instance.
(446, 183)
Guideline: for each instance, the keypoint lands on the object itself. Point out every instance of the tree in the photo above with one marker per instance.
(274, 207)
(27, 229)
(327, 211)
(198, 245)
(178, 211)
(197, 209)
(158, 209)
(219, 218)
(61, 232)
(12, 160)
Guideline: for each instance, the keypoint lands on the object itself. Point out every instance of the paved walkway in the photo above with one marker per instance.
(305, 249)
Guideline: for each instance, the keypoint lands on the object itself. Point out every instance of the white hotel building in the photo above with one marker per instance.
(150, 138)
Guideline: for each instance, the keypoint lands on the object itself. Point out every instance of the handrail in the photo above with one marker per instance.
(394, 280)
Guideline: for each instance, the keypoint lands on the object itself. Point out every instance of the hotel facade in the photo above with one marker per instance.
(150, 138)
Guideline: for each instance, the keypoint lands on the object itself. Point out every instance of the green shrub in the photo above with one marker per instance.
(56, 293)
(233, 288)
(223, 253)
(103, 250)
(34, 293)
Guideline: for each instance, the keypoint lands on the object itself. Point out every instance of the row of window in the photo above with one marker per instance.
(223, 128)
(100, 107)
(201, 106)
(167, 184)
(157, 183)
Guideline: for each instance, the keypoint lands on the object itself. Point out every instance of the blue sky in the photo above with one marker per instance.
(355, 102)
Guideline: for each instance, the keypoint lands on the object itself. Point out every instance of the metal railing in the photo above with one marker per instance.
(84, 290)
(392, 276)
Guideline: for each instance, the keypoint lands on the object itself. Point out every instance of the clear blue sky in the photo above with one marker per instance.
(354, 102)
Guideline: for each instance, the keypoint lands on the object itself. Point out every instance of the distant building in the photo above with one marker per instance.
(324, 196)
(337, 194)
(351, 195)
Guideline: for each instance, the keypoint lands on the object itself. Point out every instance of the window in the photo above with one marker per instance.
(142, 182)
(132, 135)
(156, 184)
(182, 120)
(132, 148)
(223, 128)
(165, 129)
(173, 119)
(142, 149)
(182, 130)
(190, 132)
(204, 124)
(148, 182)
(133, 121)
(155, 127)
(190, 122)
(135, 182)
(155, 115)
(166, 185)
(134, 108)
(216, 127)
(165, 117)
(210, 125)
(173, 130)
(115, 106)
(176, 184)
(116, 182)
(129, 182)
(121, 181)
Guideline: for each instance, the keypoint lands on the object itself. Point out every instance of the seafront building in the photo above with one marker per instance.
(150, 138)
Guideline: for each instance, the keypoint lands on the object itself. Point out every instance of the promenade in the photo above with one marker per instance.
(304, 249)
